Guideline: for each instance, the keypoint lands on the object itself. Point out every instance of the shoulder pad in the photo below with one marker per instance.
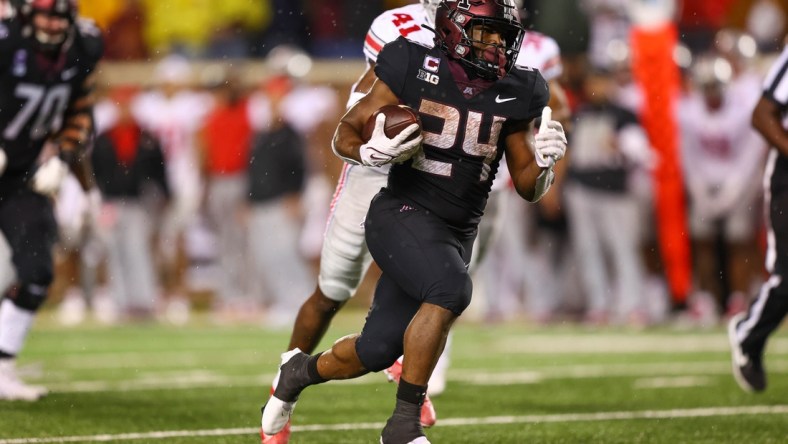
(10, 36)
(87, 27)
(91, 39)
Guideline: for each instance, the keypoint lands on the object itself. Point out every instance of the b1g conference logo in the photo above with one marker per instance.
(431, 65)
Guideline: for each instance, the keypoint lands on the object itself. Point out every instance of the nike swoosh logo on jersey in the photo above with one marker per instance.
(69, 73)
(499, 99)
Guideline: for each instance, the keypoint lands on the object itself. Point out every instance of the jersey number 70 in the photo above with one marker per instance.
(49, 103)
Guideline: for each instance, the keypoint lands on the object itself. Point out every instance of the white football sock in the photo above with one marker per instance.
(14, 325)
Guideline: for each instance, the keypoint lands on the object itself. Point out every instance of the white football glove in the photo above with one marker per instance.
(48, 177)
(550, 141)
(380, 150)
(3, 161)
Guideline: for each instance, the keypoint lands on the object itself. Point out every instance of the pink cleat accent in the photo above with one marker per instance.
(283, 437)
(428, 415)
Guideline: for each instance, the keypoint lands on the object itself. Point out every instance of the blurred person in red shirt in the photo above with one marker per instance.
(129, 166)
(224, 157)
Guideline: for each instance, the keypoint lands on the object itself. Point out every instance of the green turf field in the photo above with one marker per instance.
(507, 384)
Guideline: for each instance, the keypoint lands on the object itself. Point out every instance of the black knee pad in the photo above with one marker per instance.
(28, 297)
(35, 274)
(453, 294)
(377, 354)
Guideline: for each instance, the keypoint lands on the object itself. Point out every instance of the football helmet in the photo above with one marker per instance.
(455, 21)
(430, 6)
(736, 45)
(49, 38)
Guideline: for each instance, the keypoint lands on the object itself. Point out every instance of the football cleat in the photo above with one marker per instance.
(428, 416)
(400, 429)
(13, 389)
(747, 369)
(280, 406)
(283, 437)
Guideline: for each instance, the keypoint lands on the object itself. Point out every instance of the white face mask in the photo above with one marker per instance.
(49, 30)
(50, 39)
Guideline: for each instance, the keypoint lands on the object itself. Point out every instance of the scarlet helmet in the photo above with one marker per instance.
(430, 6)
(453, 22)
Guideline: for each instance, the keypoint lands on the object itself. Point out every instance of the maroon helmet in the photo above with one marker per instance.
(454, 20)
(66, 9)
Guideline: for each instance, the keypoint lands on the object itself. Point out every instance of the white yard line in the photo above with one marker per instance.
(593, 343)
(448, 422)
(208, 379)
(610, 343)
(672, 382)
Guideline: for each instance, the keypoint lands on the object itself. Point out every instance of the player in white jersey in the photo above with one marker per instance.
(174, 113)
(721, 154)
(344, 257)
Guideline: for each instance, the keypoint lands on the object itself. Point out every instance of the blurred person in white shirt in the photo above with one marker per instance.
(174, 112)
(721, 156)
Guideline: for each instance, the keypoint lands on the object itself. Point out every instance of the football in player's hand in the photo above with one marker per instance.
(398, 117)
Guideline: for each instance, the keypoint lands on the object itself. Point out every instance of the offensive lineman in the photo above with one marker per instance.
(47, 57)
(475, 105)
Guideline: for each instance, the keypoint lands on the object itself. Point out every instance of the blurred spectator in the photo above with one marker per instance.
(700, 20)
(608, 24)
(765, 20)
(338, 26)
(225, 143)
(124, 33)
(188, 26)
(604, 216)
(235, 24)
(312, 110)
(174, 113)
(127, 162)
(277, 173)
(721, 156)
(103, 12)
(290, 27)
(564, 21)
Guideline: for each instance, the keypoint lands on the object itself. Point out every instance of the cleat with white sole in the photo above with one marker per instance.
(13, 389)
(419, 440)
(400, 429)
(747, 369)
(280, 406)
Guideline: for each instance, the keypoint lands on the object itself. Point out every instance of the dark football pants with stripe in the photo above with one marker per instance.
(28, 223)
(769, 308)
